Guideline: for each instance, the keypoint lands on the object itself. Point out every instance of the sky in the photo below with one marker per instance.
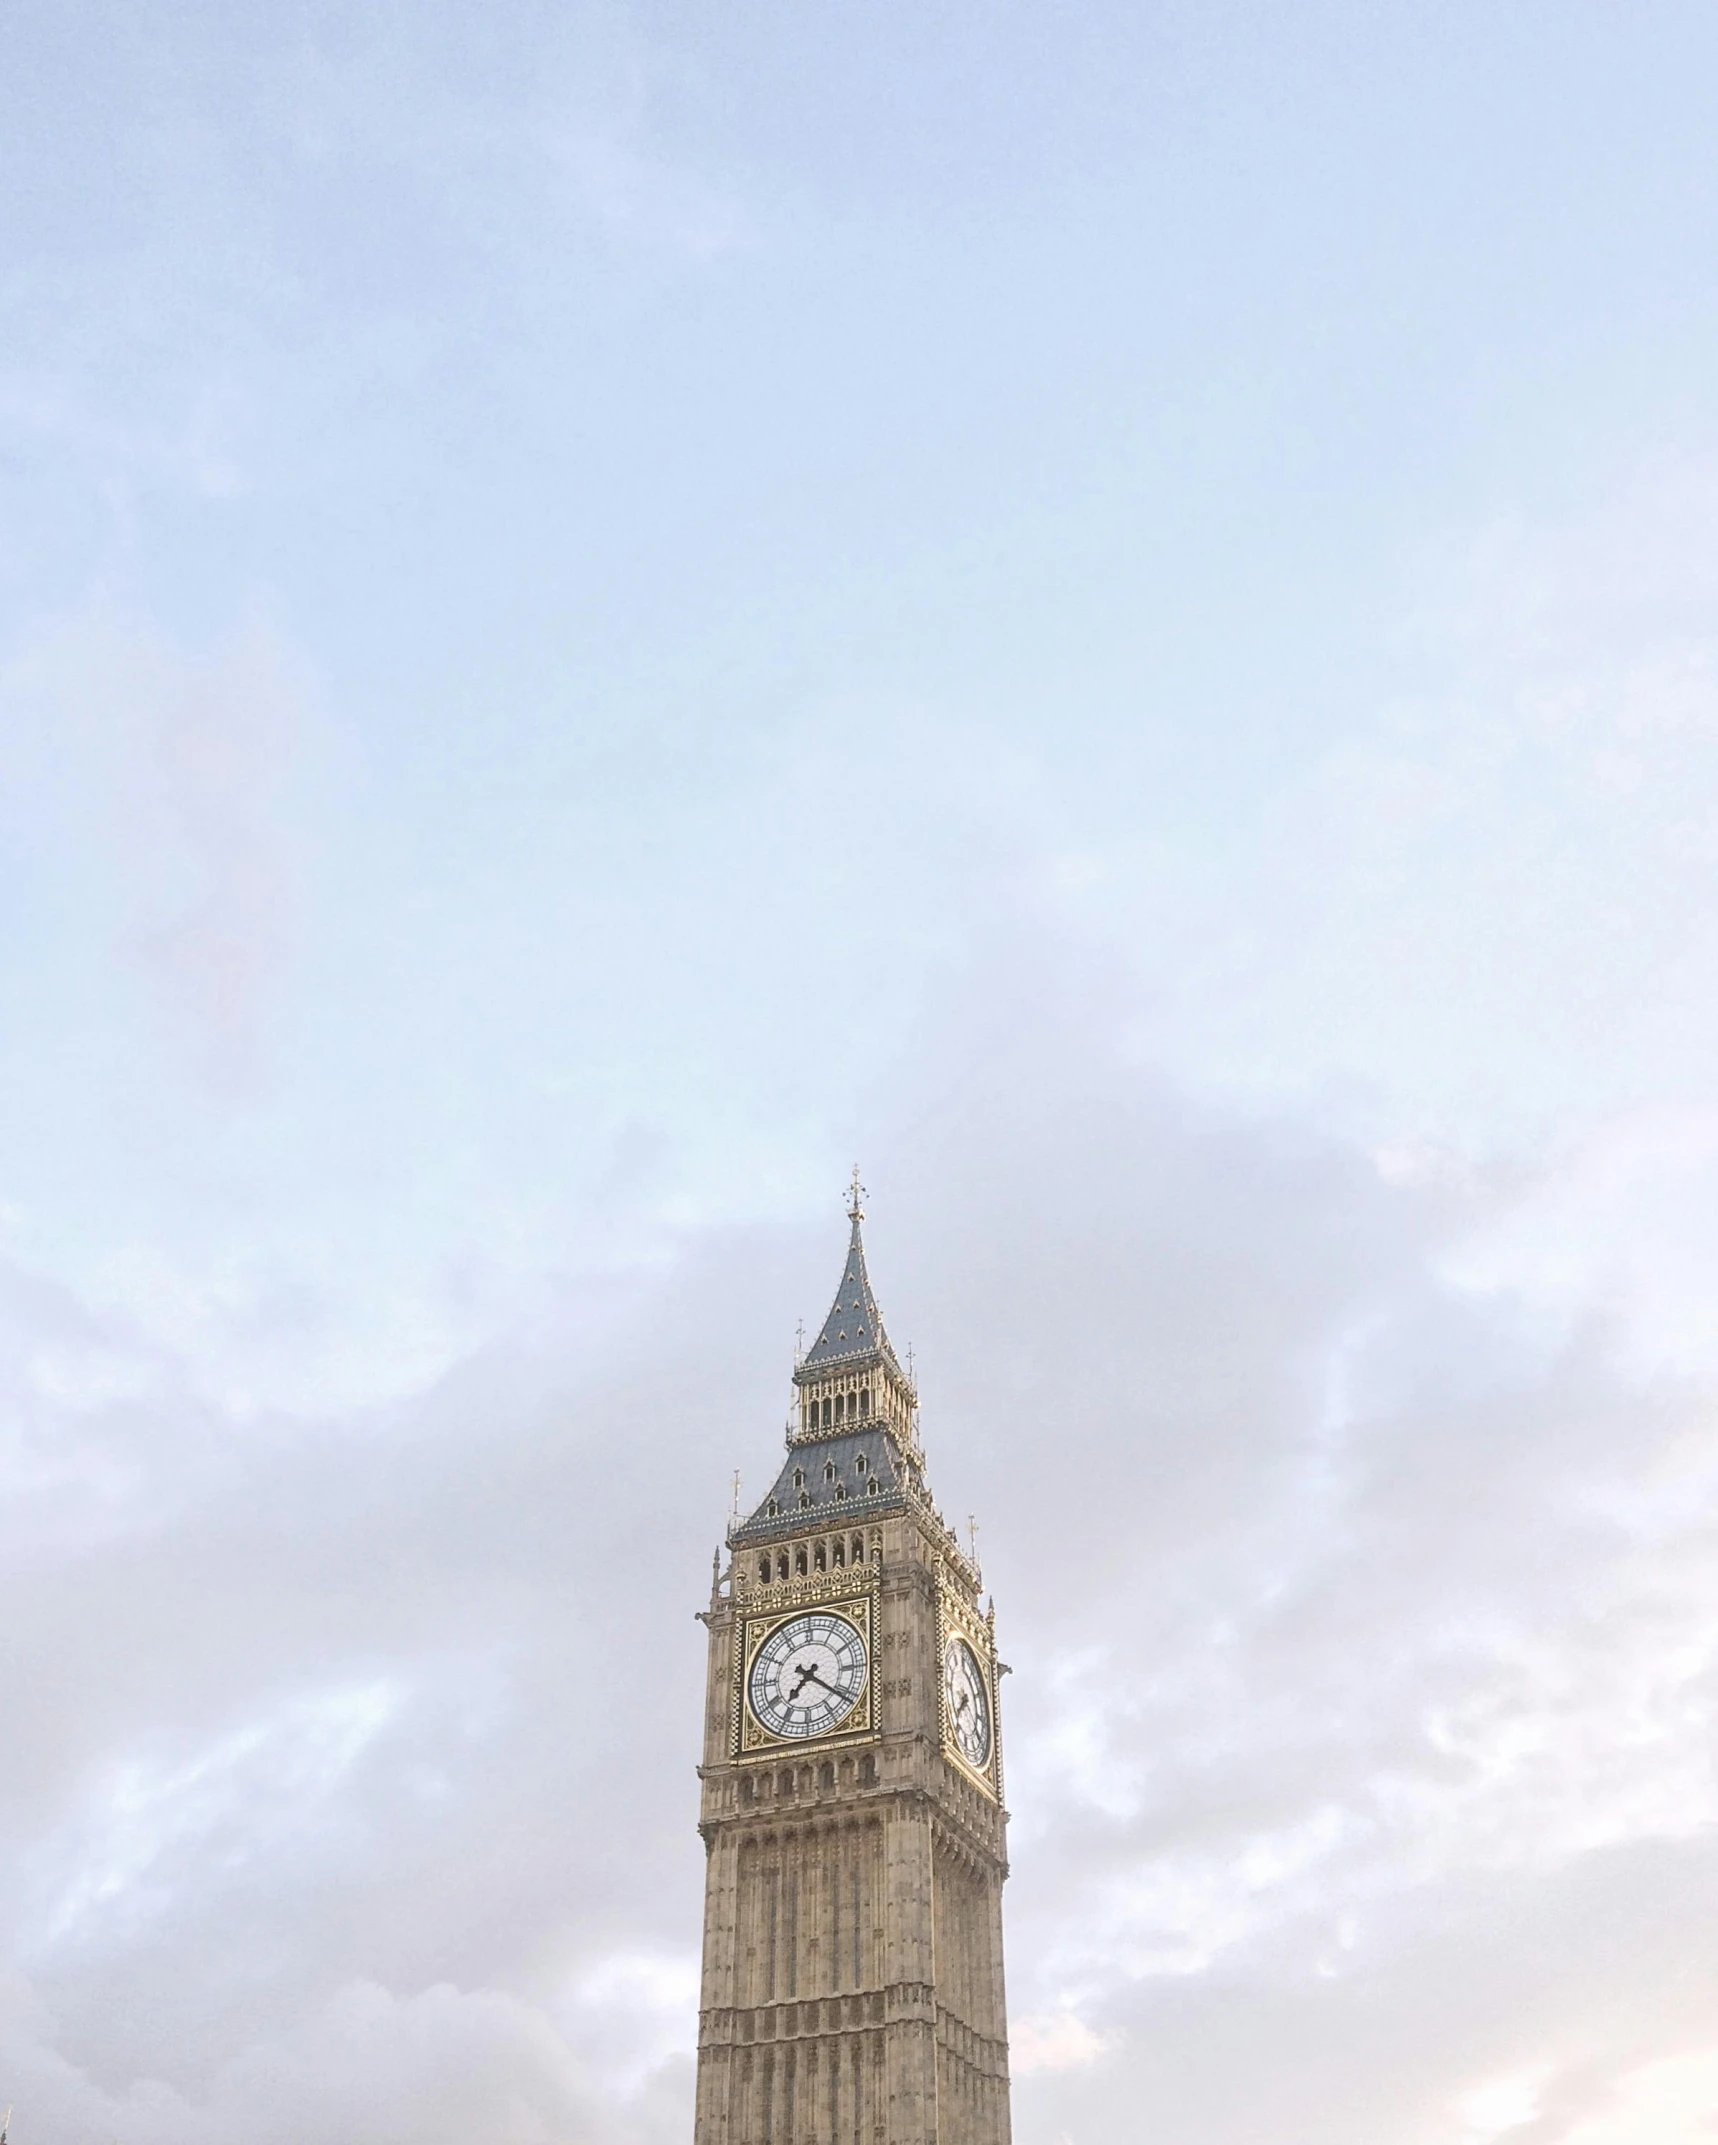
(1111, 612)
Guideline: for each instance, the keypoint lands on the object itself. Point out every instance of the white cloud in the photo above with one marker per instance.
(1622, 1221)
(1500, 2105)
(156, 1826)
(1673, 2101)
(632, 2012)
(1051, 2041)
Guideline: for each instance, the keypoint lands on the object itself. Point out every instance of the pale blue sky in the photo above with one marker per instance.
(1111, 610)
(697, 486)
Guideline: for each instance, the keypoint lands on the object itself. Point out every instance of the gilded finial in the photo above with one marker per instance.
(855, 1197)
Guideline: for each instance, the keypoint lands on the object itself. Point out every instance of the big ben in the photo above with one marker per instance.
(852, 1785)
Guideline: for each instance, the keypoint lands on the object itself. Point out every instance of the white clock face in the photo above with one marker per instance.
(808, 1675)
(968, 1703)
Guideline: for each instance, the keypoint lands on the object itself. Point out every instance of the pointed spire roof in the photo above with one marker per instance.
(854, 1326)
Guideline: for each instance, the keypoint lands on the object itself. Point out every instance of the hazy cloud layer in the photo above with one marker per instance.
(1363, 1625)
(602, 612)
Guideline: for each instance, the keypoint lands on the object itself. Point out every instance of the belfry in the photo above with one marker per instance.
(851, 1785)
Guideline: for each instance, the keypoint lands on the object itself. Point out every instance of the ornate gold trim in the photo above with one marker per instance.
(956, 1620)
(750, 1737)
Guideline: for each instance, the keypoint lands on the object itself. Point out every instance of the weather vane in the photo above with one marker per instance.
(855, 1195)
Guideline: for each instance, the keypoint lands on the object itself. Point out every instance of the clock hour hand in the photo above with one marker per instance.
(809, 1675)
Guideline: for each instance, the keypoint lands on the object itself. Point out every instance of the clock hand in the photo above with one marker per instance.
(810, 1675)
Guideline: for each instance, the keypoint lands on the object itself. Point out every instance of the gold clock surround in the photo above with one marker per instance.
(956, 1621)
(750, 1738)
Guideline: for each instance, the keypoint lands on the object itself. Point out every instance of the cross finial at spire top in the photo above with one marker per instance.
(855, 1197)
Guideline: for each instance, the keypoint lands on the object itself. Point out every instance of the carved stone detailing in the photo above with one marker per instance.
(852, 1977)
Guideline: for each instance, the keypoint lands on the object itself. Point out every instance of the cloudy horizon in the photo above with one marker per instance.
(1111, 613)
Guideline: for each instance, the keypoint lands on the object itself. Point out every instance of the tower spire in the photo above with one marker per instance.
(854, 1327)
(850, 1373)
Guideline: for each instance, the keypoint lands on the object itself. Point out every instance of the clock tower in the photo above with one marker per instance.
(852, 1785)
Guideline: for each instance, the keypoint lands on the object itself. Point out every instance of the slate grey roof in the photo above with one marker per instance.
(816, 1501)
(854, 1326)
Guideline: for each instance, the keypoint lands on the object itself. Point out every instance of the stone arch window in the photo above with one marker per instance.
(748, 1789)
(840, 1553)
(864, 1402)
(858, 1551)
(828, 1413)
(781, 1565)
(819, 1560)
(799, 1478)
(826, 1775)
(860, 1463)
(799, 1561)
(804, 1499)
(784, 1781)
(763, 1571)
(840, 1406)
(829, 1470)
(873, 1487)
(867, 1771)
(841, 1492)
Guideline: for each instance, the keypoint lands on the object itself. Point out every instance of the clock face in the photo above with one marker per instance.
(808, 1675)
(968, 1703)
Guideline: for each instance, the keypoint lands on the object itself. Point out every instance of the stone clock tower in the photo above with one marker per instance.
(852, 1786)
